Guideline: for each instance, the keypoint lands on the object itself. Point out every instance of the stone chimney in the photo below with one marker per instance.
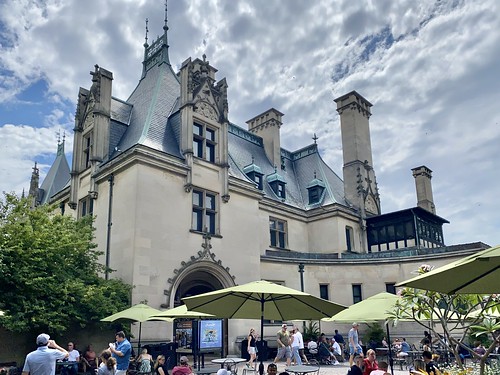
(360, 185)
(101, 90)
(267, 126)
(423, 186)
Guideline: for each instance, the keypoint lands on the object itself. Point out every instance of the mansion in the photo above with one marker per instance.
(186, 202)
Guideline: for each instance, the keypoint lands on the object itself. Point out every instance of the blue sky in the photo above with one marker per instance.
(430, 68)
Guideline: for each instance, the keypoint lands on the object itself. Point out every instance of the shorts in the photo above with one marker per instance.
(251, 350)
(284, 352)
(357, 351)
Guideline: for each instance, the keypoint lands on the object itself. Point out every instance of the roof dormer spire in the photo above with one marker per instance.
(146, 45)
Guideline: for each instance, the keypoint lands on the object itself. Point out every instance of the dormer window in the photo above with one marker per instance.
(315, 189)
(254, 173)
(277, 183)
(204, 142)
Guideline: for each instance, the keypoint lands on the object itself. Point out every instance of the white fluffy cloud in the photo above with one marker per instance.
(430, 68)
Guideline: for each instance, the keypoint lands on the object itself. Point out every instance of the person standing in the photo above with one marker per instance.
(284, 350)
(301, 345)
(121, 351)
(354, 347)
(295, 347)
(251, 347)
(42, 361)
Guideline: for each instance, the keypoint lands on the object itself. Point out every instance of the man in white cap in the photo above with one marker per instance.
(284, 349)
(43, 360)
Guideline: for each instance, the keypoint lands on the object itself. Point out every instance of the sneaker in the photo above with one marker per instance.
(336, 363)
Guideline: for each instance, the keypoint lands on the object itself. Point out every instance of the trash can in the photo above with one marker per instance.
(262, 350)
(244, 350)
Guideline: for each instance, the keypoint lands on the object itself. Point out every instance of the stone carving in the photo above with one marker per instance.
(206, 110)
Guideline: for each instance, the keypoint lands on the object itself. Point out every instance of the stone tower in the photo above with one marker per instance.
(360, 184)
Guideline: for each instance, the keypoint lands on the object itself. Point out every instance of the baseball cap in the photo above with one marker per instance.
(42, 339)
(283, 325)
(184, 359)
(354, 324)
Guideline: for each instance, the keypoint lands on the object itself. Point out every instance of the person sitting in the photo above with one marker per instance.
(144, 361)
(370, 362)
(336, 352)
(312, 347)
(357, 366)
(108, 364)
(404, 349)
(324, 353)
(159, 367)
(74, 357)
(90, 360)
(183, 368)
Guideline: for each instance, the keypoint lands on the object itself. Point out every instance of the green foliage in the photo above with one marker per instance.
(311, 331)
(374, 333)
(49, 270)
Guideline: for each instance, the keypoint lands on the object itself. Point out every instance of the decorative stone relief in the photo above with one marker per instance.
(206, 110)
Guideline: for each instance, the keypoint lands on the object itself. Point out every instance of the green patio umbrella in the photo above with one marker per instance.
(181, 312)
(373, 309)
(137, 313)
(262, 300)
(476, 274)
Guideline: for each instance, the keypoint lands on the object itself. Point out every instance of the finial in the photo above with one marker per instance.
(275, 169)
(147, 30)
(58, 134)
(253, 159)
(165, 26)
(204, 58)
(314, 174)
(315, 138)
(64, 136)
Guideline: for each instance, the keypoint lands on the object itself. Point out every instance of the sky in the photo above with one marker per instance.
(431, 69)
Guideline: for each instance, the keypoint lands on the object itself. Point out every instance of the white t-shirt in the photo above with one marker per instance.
(74, 355)
(301, 340)
(295, 342)
(336, 348)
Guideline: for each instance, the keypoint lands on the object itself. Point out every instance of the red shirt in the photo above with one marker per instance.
(369, 366)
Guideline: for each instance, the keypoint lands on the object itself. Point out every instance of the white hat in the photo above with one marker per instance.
(42, 339)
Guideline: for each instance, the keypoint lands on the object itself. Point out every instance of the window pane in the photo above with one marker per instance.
(210, 201)
(281, 239)
(210, 134)
(356, 293)
(197, 198)
(198, 148)
(210, 156)
(281, 226)
(323, 292)
(210, 222)
(198, 129)
(272, 224)
(273, 238)
(390, 288)
(197, 220)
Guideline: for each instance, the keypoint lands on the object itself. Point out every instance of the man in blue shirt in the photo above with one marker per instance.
(121, 351)
(43, 360)
(354, 347)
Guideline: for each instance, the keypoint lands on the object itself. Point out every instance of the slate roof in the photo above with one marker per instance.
(57, 177)
(151, 117)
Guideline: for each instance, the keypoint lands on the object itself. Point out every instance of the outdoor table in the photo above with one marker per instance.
(207, 370)
(61, 364)
(302, 369)
(382, 351)
(229, 360)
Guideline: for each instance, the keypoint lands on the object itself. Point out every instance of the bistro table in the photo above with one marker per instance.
(230, 360)
(302, 369)
(207, 370)
(67, 364)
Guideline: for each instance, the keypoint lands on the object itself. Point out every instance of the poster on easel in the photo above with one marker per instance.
(184, 333)
(210, 336)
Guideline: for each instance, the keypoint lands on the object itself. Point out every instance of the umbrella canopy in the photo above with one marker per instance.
(262, 300)
(137, 313)
(181, 312)
(373, 309)
(476, 274)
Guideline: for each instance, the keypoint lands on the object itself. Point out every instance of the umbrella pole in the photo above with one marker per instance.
(391, 361)
(139, 344)
(261, 364)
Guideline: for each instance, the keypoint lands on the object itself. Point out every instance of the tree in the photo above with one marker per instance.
(456, 315)
(49, 270)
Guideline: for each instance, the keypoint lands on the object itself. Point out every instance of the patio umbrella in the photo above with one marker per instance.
(373, 309)
(476, 274)
(181, 312)
(262, 300)
(137, 313)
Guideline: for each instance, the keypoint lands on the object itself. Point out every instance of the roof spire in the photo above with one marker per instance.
(165, 26)
(315, 138)
(146, 45)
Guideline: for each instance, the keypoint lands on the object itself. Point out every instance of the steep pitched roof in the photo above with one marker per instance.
(57, 176)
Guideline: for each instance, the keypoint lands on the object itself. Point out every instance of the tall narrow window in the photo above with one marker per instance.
(323, 291)
(277, 229)
(356, 293)
(204, 211)
(204, 142)
(349, 238)
(87, 150)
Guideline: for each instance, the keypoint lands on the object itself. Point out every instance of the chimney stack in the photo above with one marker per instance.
(423, 185)
(267, 125)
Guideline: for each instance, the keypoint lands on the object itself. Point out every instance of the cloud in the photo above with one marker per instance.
(430, 68)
